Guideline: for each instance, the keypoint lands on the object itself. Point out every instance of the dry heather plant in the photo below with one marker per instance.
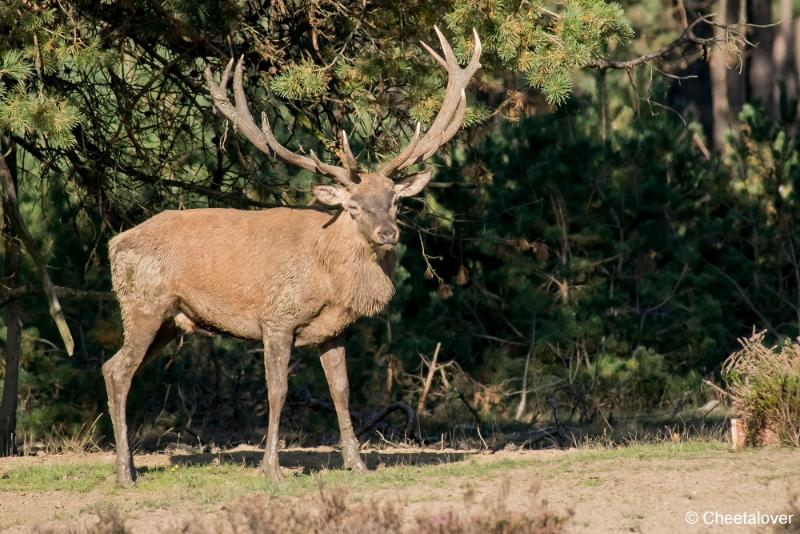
(793, 509)
(763, 385)
(331, 512)
(110, 521)
(328, 514)
(494, 516)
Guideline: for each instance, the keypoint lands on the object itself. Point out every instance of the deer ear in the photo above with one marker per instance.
(413, 184)
(330, 195)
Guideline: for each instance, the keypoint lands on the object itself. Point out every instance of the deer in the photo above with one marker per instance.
(286, 276)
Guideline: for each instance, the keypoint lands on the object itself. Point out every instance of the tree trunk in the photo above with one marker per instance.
(785, 91)
(13, 318)
(737, 79)
(761, 74)
(719, 80)
(796, 45)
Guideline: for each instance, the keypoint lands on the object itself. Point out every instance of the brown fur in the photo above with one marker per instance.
(236, 271)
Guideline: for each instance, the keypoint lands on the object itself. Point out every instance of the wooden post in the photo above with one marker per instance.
(737, 434)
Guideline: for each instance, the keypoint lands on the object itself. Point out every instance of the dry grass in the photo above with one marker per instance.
(63, 439)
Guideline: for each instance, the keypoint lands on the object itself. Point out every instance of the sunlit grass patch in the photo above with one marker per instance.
(209, 484)
(651, 451)
(76, 477)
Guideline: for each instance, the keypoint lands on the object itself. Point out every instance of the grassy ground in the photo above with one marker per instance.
(647, 488)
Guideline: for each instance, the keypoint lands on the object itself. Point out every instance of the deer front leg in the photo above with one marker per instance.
(333, 362)
(144, 337)
(277, 349)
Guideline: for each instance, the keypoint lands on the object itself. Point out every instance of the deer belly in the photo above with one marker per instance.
(330, 322)
(214, 316)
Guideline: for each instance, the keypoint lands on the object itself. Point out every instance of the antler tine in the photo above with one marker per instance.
(449, 55)
(398, 160)
(339, 174)
(226, 74)
(239, 115)
(439, 59)
(453, 109)
(348, 159)
(220, 97)
(453, 127)
(477, 48)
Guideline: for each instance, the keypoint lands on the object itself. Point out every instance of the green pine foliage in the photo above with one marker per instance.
(301, 81)
(548, 46)
(40, 44)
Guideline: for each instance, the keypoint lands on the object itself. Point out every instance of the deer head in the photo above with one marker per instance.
(370, 198)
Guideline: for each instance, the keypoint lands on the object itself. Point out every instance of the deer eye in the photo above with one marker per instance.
(354, 210)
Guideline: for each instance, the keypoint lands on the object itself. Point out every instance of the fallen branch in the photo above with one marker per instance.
(523, 400)
(411, 420)
(372, 421)
(472, 410)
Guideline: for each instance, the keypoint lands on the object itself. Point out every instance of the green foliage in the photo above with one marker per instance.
(40, 43)
(15, 65)
(547, 47)
(53, 118)
(301, 81)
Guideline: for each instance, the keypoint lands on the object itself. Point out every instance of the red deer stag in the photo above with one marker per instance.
(285, 276)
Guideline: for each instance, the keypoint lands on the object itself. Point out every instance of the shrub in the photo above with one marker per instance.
(763, 385)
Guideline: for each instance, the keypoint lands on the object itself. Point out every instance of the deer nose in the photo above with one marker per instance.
(387, 235)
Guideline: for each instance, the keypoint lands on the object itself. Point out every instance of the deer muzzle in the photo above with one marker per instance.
(386, 235)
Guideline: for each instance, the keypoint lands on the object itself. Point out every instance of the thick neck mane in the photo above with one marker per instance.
(360, 276)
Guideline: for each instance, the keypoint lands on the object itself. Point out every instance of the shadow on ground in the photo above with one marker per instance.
(309, 461)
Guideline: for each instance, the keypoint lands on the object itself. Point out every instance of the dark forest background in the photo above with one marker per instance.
(620, 208)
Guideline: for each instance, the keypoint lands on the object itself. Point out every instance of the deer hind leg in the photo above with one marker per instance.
(144, 336)
(335, 367)
(277, 350)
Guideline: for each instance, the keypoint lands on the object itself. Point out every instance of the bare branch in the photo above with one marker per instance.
(686, 39)
(9, 294)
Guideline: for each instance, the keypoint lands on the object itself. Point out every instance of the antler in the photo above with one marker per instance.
(263, 138)
(451, 114)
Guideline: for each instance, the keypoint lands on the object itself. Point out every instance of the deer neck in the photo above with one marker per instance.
(360, 275)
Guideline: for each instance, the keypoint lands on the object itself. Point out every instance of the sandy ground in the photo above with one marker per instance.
(606, 491)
